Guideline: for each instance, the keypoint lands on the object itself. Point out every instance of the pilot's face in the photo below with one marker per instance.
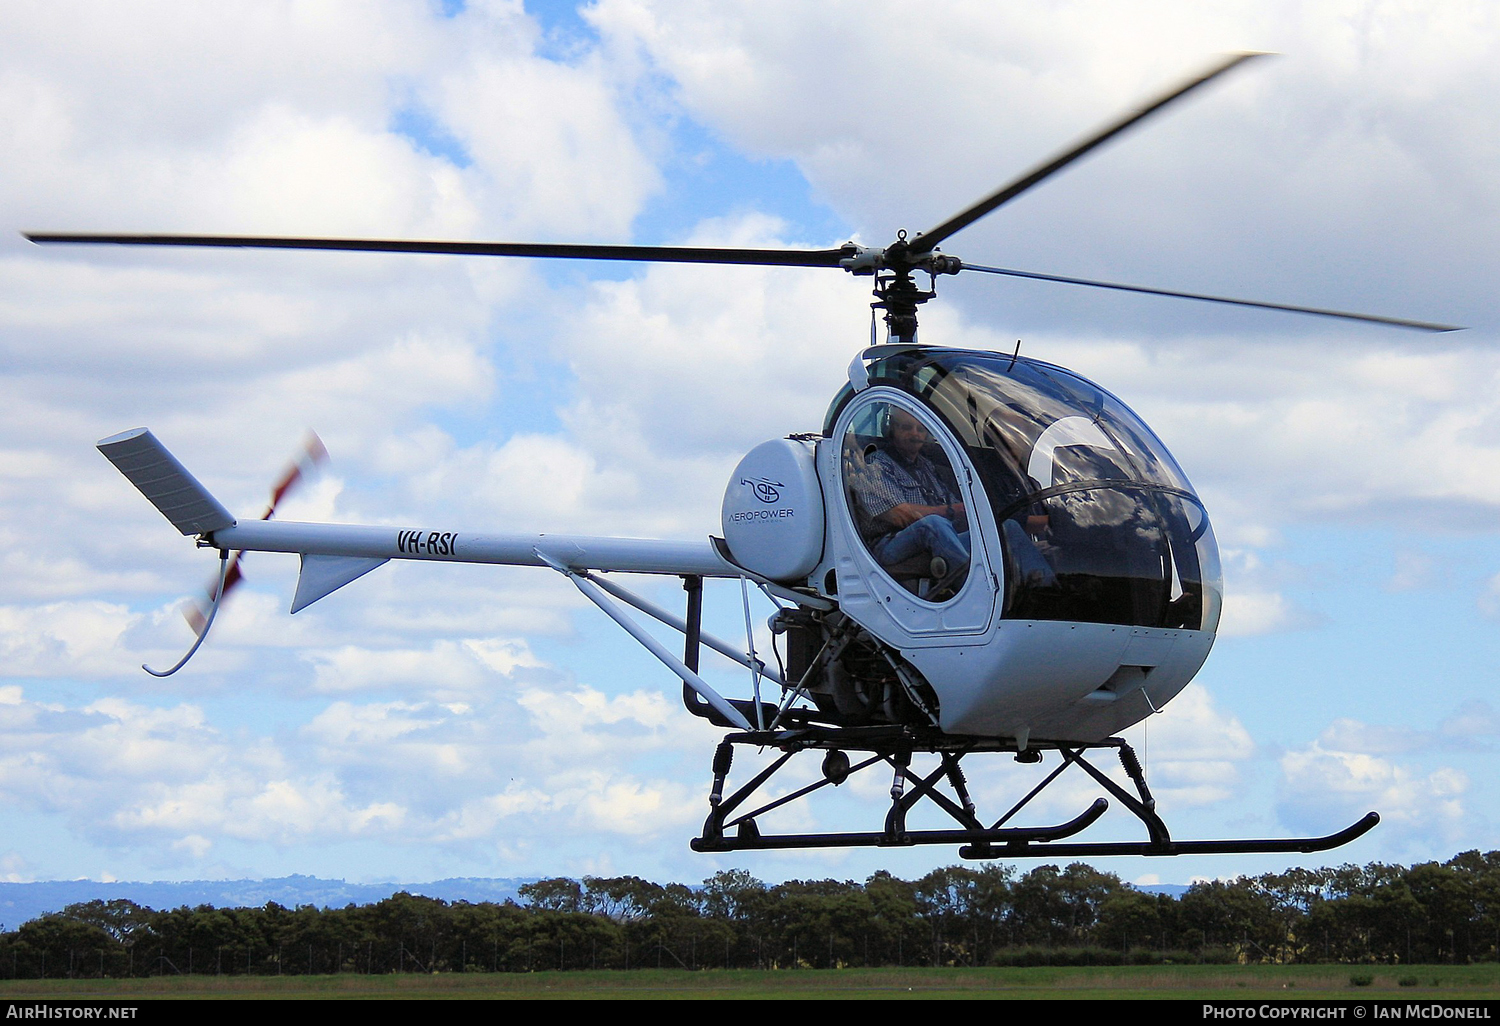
(907, 435)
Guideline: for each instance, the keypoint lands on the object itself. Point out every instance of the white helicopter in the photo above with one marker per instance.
(978, 553)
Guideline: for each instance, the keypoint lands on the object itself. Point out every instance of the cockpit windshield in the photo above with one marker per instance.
(1097, 521)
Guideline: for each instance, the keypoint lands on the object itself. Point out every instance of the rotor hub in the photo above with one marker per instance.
(895, 291)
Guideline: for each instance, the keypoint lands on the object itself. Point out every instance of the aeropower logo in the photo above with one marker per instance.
(765, 489)
(768, 492)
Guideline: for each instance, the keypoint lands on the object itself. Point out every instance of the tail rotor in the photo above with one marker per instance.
(304, 466)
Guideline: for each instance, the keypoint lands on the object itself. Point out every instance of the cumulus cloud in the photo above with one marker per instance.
(1346, 735)
(452, 667)
(64, 639)
(1255, 587)
(402, 772)
(86, 764)
(1469, 728)
(281, 811)
(1195, 751)
(1248, 613)
(1322, 789)
(1199, 178)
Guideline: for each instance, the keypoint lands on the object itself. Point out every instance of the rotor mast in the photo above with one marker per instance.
(899, 297)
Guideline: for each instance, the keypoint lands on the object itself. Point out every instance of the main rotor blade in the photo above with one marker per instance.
(925, 242)
(661, 254)
(1397, 322)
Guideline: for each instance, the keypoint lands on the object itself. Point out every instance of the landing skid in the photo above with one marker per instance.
(728, 829)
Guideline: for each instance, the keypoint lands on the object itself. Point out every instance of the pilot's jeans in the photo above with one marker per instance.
(934, 535)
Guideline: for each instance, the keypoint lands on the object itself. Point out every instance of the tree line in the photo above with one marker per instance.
(957, 916)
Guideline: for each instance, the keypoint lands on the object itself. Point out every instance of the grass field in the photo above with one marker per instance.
(1423, 983)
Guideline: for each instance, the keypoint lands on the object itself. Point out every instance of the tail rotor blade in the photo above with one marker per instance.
(314, 454)
(304, 466)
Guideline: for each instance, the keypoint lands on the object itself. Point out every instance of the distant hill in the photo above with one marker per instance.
(1173, 891)
(20, 902)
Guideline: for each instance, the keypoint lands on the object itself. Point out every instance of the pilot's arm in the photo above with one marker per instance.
(907, 513)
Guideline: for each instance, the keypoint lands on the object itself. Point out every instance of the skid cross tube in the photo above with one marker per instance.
(894, 747)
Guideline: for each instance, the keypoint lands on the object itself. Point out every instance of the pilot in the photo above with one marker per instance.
(911, 509)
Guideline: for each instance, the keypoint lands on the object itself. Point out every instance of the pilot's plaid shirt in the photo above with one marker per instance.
(893, 482)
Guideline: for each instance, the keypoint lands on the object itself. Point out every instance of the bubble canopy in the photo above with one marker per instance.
(1097, 522)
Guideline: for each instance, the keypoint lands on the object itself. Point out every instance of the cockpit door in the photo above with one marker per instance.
(914, 534)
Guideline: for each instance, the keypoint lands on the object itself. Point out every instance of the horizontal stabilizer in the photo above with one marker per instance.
(151, 468)
(323, 575)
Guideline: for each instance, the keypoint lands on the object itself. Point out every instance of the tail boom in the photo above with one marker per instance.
(335, 554)
(579, 552)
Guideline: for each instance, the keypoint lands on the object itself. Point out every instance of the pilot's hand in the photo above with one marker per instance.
(903, 515)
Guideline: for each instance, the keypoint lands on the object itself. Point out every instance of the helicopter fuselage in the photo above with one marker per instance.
(1090, 592)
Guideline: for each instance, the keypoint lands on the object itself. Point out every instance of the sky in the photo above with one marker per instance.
(437, 721)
